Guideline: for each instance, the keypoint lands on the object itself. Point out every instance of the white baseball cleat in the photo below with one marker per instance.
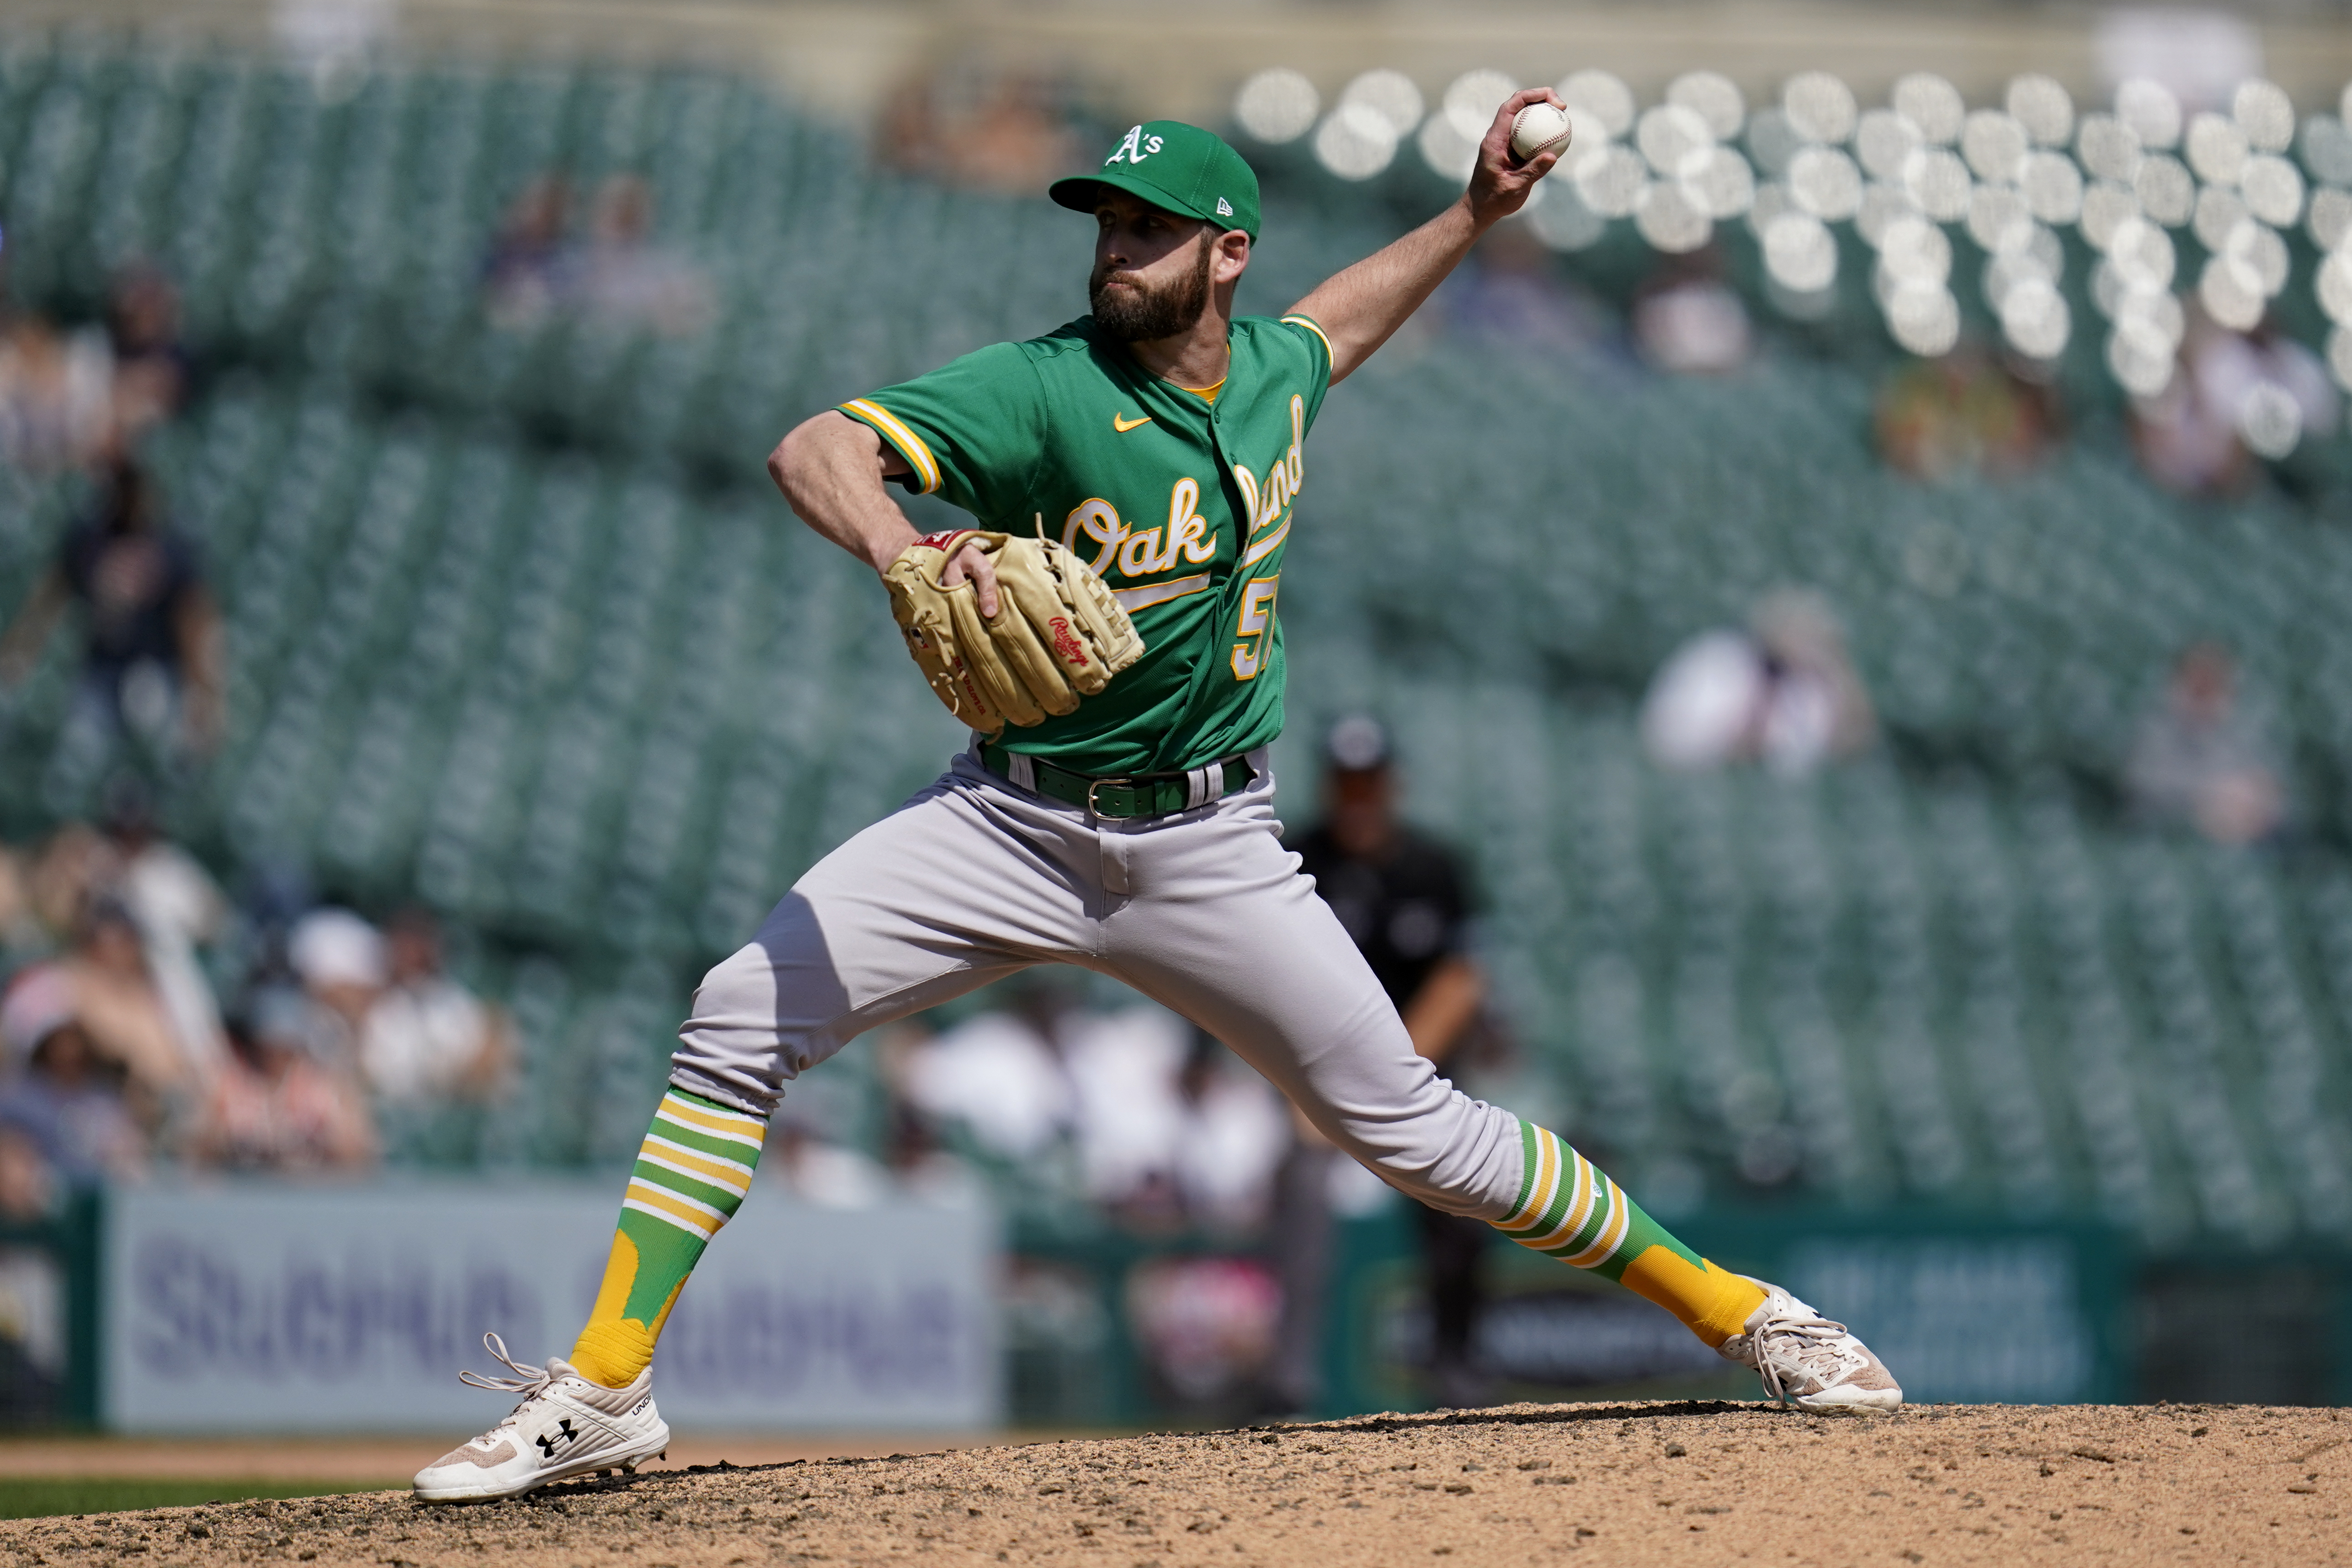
(1808, 1361)
(565, 1427)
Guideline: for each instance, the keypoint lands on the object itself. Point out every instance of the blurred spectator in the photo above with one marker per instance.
(423, 1037)
(1231, 1133)
(1206, 1327)
(522, 279)
(999, 1075)
(821, 1172)
(623, 280)
(1405, 900)
(275, 1106)
(343, 966)
(1008, 134)
(63, 1101)
(56, 392)
(2199, 759)
(1783, 692)
(123, 1013)
(153, 373)
(1687, 319)
(151, 659)
(1963, 413)
(1515, 295)
(178, 909)
(2232, 396)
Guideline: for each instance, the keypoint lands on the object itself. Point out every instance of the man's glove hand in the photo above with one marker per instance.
(1058, 635)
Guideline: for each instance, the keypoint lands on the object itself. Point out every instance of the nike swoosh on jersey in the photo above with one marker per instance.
(1124, 426)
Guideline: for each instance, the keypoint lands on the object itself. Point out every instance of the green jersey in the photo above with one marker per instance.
(1181, 499)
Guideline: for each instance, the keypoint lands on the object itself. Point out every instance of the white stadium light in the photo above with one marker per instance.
(1825, 182)
(1881, 206)
(1883, 139)
(2167, 192)
(1669, 219)
(1670, 136)
(2109, 148)
(2151, 111)
(2259, 250)
(1995, 145)
(1607, 100)
(1801, 253)
(2035, 319)
(1772, 142)
(1938, 180)
(2105, 204)
(2142, 256)
(1715, 98)
(1612, 181)
(1356, 141)
(2339, 356)
(1998, 217)
(2217, 148)
(2044, 107)
(2327, 150)
(1451, 152)
(1472, 99)
(2269, 421)
(2140, 359)
(1932, 104)
(2273, 188)
(1820, 107)
(2330, 218)
(2219, 209)
(1561, 220)
(2231, 295)
(2334, 286)
(1389, 94)
(2265, 113)
(1721, 183)
(1278, 105)
(1924, 318)
(2052, 186)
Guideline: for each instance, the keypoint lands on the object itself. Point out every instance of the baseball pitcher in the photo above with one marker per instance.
(1110, 631)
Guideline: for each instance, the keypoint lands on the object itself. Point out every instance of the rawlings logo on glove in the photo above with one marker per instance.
(1058, 635)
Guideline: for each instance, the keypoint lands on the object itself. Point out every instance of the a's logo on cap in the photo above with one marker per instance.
(1133, 148)
(1225, 208)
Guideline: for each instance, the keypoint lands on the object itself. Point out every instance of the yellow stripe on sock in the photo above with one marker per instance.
(718, 1173)
(1621, 1217)
(705, 1219)
(1580, 1203)
(748, 1131)
(1540, 1195)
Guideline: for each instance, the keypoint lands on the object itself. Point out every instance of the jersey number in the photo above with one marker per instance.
(1257, 620)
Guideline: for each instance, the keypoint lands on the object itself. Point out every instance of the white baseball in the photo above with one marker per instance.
(1539, 128)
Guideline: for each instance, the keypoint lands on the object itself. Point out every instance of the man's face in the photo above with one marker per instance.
(1150, 277)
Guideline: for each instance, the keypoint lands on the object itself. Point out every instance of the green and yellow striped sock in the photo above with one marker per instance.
(692, 1171)
(1568, 1210)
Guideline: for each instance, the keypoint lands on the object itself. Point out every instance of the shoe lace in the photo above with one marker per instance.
(1809, 1343)
(531, 1382)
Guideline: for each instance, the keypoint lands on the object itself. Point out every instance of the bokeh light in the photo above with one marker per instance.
(1278, 105)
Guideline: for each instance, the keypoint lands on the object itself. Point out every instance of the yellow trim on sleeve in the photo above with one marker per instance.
(1308, 322)
(893, 431)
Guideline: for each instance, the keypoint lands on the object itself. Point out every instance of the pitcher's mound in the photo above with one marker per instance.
(1635, 1483)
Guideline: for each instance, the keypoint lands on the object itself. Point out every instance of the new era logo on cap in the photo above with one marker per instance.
(1225, 208)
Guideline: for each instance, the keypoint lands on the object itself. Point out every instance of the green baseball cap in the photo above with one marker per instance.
(1177, 166)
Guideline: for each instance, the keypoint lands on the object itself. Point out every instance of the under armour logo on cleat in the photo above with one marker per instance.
(549, 1441)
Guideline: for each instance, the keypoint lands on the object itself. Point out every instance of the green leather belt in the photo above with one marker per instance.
(1147, 795)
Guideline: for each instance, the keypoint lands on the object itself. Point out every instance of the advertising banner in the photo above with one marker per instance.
(264, 1308)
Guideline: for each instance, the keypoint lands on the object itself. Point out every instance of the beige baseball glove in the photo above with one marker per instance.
(1058, 635)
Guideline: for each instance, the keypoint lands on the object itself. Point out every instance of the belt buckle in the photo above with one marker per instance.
(1095, 784)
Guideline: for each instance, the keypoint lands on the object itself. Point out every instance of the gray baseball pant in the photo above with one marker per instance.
(1202, 911)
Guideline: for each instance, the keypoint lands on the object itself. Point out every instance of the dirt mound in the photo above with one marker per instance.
(1679, 1483)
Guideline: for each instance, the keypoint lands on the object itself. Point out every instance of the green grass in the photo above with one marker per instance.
(46, 1497)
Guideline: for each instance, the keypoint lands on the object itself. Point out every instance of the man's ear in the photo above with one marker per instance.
(1233, 248)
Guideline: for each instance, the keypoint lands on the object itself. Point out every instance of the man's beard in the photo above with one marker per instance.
(1139, 314)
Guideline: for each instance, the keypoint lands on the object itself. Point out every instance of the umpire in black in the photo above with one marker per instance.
(1405, 898)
